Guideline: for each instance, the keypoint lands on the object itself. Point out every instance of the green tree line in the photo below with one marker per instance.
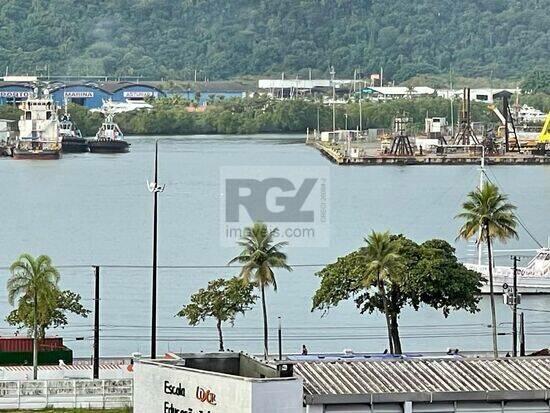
(223, 39)
(263, 115)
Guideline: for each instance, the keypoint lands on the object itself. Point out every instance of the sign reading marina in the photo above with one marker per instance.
(78, 94)
(292, 201)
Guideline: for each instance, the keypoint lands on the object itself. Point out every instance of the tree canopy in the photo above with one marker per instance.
(428, 274)
(222, 39)
(49, 316)
(222, 300)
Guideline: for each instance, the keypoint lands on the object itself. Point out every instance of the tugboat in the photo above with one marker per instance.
(38, 129)
(71, 138)
(109, 138)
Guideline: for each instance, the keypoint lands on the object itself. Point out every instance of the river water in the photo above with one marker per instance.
(91, 209)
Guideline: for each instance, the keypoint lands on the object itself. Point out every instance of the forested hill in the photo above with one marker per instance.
(227, 38)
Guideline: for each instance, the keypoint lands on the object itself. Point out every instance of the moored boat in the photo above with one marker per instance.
(38, 129)
(71, 137)
(109, 138)
(534, 278)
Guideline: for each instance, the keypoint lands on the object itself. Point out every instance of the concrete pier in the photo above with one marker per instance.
(336, 155)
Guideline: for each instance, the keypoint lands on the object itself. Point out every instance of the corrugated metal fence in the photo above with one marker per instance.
(37, 394)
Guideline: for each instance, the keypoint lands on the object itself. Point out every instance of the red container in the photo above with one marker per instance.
(24, 344)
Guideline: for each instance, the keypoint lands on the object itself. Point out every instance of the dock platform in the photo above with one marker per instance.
(372, 158)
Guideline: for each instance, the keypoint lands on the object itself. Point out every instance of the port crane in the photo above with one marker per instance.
(508, 129)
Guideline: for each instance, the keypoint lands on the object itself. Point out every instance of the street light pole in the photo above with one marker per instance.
(155, 188)
(96, 324)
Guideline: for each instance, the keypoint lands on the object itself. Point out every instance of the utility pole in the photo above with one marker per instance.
(515, 308)
(361, 112)
(96, 324)
(451, 96)
(521, 335)
(318, 120)
(332, 73)
(155, 188)
(280, 336)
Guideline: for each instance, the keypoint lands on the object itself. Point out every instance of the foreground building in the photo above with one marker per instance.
(236, 383)
(219, 382)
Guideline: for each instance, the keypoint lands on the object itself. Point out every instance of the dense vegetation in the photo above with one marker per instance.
(262, 115)
(166, 38)
(171, 116)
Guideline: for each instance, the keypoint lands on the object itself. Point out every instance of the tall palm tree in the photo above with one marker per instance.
(382, 257)
(33, 281)
(487, 214)
(259, 256)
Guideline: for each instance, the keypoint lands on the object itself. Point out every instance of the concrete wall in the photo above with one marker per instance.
(169, 389)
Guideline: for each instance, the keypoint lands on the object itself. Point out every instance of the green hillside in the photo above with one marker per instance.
(228, 38)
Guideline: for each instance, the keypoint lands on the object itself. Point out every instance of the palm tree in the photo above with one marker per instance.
(487, 214)
(382, 258)
(259, 256)
(33, 282)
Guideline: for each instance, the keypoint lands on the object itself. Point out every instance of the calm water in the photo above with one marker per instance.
(95, 209)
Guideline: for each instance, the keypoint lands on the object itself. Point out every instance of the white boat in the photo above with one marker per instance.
(534, 278)
(121, 107)
(38, 129)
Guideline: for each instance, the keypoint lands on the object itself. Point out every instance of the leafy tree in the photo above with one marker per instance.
(427, 274)
(487, 215)
(33, 283)
(260, 255)
(221, 300)
(51, 316)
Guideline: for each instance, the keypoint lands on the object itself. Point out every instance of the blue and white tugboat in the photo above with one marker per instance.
(71, 137)
(109, 138)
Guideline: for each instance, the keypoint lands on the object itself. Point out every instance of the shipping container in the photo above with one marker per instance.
(24, 344)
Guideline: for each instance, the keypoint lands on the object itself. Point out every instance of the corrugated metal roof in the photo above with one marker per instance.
(391, 377)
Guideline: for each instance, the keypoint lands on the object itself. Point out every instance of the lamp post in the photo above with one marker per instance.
(154, 187)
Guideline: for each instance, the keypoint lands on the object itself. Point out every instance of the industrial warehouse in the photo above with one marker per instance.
(14, 90)
(345, 383)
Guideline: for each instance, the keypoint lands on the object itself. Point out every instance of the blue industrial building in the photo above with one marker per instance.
(13, 93)
(88, 94)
